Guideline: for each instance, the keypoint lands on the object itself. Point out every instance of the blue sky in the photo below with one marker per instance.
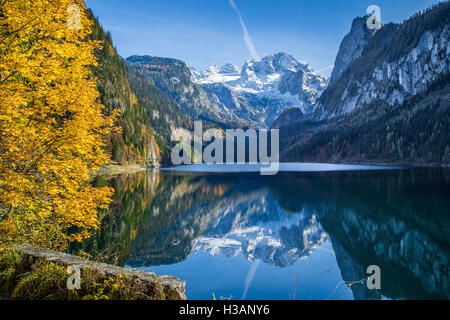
(205, 32)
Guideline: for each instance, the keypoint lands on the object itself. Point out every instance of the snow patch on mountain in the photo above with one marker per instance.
(215, 74)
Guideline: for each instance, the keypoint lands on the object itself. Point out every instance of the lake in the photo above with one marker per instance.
(294, 235)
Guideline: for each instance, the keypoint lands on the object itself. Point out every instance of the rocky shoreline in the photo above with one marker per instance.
(146, 285)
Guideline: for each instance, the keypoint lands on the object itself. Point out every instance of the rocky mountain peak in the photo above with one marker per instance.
(351, 47)
(213, 69)
(278, 63)
(229, 68)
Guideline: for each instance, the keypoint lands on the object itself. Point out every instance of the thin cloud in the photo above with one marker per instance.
(247, 39)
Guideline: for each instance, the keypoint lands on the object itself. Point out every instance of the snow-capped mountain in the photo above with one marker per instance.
(259, 93)
(260, 229)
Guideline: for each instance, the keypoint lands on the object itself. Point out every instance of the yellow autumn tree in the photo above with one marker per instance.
(52, 126)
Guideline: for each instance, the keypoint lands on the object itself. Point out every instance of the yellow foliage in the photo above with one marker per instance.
(51, 124)
(134, 99)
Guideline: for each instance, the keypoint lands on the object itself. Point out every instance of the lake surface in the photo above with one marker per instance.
(295, 235)
(279, 167)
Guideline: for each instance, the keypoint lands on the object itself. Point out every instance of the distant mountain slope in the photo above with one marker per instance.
(415, 131)
(175, 79)
(164, 114)
(390, 104)
(287, 117)
(227, 97)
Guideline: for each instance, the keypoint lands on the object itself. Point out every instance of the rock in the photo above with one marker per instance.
(173, 289)
(351, 47)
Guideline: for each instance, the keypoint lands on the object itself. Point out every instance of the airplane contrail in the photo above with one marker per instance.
(247, 39)
(325, 69)
(249, 278)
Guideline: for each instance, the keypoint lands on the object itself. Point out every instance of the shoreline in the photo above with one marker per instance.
(116, 169)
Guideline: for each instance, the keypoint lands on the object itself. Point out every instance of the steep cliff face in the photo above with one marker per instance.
(390, 104)
(163, 113)
(351, 47)
(398, 62)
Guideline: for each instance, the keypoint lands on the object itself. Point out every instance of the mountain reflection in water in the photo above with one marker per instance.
(293, 235)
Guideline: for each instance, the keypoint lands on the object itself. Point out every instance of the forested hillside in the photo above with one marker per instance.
(174, 78)
(416, 131)
(136, 143)
(164, 115)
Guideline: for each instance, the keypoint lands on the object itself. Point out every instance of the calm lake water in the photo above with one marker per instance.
(296, 235)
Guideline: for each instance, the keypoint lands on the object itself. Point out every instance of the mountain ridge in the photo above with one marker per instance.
(351, 47)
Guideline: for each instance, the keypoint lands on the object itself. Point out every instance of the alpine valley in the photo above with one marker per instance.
(388, 98)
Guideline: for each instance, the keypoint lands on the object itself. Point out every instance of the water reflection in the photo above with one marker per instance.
(176, 222)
